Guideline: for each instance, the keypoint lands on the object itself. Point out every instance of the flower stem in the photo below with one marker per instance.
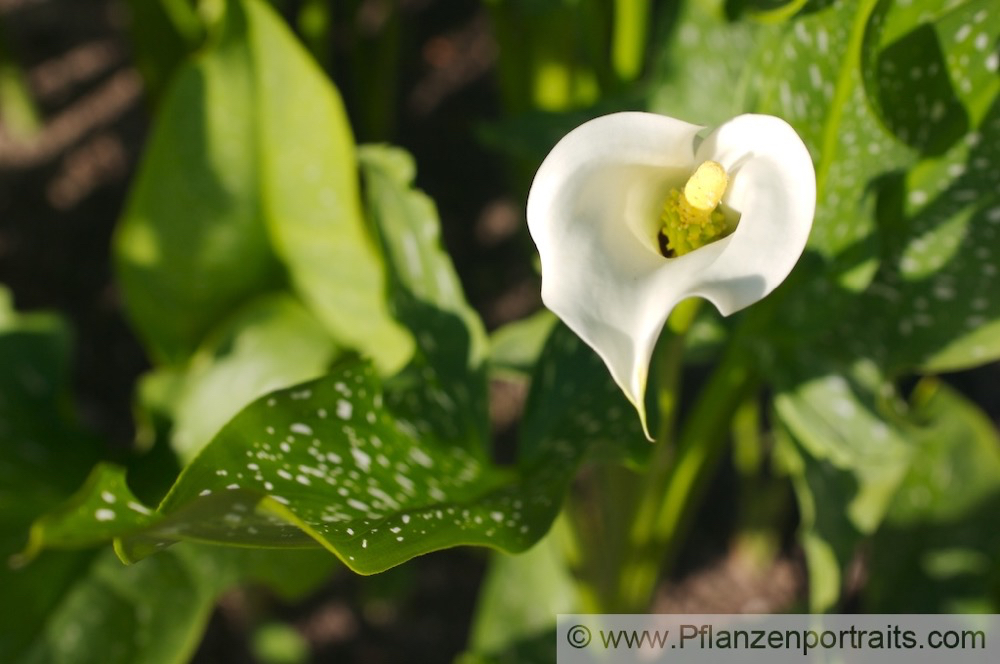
(678, 471)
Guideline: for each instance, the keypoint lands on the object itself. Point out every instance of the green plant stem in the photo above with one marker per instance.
(628, 40)
(678, 474)
(611, 500)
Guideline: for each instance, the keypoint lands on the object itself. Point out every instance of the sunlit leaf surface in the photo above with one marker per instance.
(243, 189)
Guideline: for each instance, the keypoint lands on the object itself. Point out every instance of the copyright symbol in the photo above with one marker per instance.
(578, 636)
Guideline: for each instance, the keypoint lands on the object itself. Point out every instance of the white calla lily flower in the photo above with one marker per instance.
(595, 213)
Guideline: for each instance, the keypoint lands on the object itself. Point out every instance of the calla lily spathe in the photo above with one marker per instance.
(594, 213)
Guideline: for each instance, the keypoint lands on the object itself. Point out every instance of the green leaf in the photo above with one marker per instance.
(443, 390)
(956, 466)
(270, 343)
(410, 233)
(44, 454)
(937, 293)
(846, 461)
(704, 90)
(102, 508)
(522, 595)
(919, 480)
(194, 215)
(536, 649)
(308, 172)
(244, 187)
(937, 551)
(163, 33)
(811, 74)
(326, 462)
(31, 595)
(575, 404)
(907, 184)
(155, 612)
(516, 346)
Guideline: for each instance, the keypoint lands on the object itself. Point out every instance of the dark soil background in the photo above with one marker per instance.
(61, 195)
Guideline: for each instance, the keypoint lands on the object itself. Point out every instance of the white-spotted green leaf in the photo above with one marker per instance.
(410, 232)
(327, 463)
(575, 406)
(697, 89)
(810, 72)
(73, 606)
(921, 139)
(936, 300)
(443, 389)
(244, 186)
(270, 343)
(101, 509)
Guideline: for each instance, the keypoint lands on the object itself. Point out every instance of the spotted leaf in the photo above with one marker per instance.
(443, 389)
(327, 463)
(936, 299)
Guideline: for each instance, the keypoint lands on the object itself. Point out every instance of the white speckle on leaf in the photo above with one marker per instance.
(300, 428)
(104, 514)
(386, 499)
(108, 497)
(358, 505)
(420, 457)
(404, 482)
(136, 507)
(363, 460)
(344, 409)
